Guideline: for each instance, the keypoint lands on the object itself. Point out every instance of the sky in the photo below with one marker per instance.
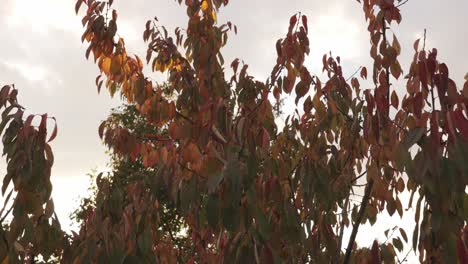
(41, 53)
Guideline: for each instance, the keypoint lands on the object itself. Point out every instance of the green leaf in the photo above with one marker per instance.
(144, 240)
(230, 216)
(212, 210)
(450, 250)
(403, 234)
(397, 244)
(263, 225)
(413, 136)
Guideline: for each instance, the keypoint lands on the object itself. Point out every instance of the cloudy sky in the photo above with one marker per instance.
(41, 52)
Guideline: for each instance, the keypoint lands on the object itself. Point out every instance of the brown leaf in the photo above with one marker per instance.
(416, 45)
(394, 99)
(364, 73)
(396, 45)
(375, 253)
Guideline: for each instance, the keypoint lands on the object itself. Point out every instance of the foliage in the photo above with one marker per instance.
(248, 191)
(34, 228)
(126, 172)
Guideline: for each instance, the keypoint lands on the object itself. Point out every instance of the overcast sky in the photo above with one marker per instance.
(41, 52)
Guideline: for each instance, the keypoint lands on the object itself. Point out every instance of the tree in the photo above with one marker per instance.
(249, 192)
(126, 172)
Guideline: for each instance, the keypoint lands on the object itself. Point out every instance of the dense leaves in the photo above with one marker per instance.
(33, 228)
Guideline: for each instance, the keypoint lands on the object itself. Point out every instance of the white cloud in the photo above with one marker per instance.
(41, 16)
(29, 71)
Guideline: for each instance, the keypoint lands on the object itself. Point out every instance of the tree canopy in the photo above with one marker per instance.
(205, 147)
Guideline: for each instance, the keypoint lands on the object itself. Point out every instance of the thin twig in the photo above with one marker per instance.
(358, 177)
(352, 75)
(402, 3)
(407, 254)
(7, 213)
(424, 40)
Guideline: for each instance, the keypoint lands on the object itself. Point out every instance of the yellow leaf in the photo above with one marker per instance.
(213, 14)
(6, 260)
(105, 66)
(204, 6)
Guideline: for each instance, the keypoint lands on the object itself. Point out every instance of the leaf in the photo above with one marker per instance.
(413, 136)
(292, 21)
(263, 226)
(49, 154)
(394, 99)
(465, 90)
(375, 253)
(415, 236)
(204, 6)
(214, 181)
(416, 45)
(462, 250)
(106, 65)
(399, 207)
(301, 89)
(395, 69)
(49, 210)
(403, 234)
(308, 104)
(398, 244)
(396, 45)
(18, 246)
(78, 5)
(304, 22)
(364, 72)
(54, 132)
(212, 211)
(101, 129)
(391, 206)
(400, 186)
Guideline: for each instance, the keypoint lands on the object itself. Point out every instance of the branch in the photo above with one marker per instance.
(5, 216)
(407, 254)
(184, 117)
(340, 241)
(357, 223)
(402, 3)
(358, 177)
(352, 75)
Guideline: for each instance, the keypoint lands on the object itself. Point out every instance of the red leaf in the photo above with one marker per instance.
(101, 129)
(394, 99)
(304, 23)
(292, 21)
(375, 253)
(423, 74)
(29, 120)
(279, 48)
(54, 132)
(418, 104)
(462, 250)
(276, 93)
(364, 73)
